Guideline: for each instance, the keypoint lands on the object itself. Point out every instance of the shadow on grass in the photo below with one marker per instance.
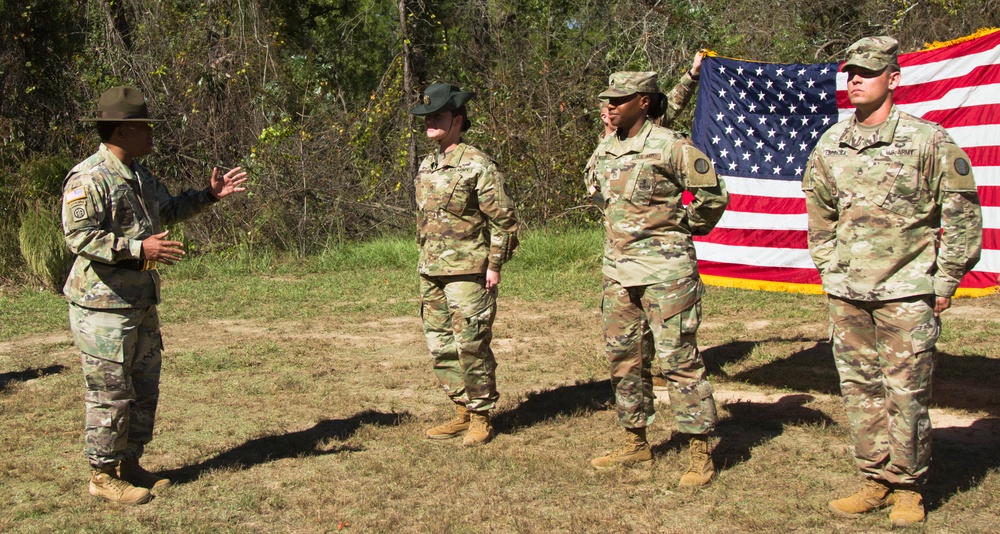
(962, 456)
(809, 370)
(962, 382)
(536, 407)
(309, 442)
(967, 383)
(749, 425)
(30, 374)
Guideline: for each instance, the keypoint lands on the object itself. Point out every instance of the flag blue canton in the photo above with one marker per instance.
(761, 120)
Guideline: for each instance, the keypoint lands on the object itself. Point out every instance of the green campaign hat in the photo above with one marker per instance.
(121, 104)
(873, 53)
(627, 83)
(441, 97)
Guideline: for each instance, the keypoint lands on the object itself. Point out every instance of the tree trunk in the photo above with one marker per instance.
(411, 144)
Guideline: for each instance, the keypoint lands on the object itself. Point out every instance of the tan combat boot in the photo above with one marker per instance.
(453, 428)
(104, 483)
(133, 473)
(480, 430)
(907, 509)
(635, 450)
(702, 470)
(872, 496)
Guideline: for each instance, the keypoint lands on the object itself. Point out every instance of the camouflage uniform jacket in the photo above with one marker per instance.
(107, 210)
(677, 98)
(465, 218)
(648, 229)
(892, 214)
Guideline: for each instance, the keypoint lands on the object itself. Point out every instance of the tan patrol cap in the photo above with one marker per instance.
(873, 53)
(627, 83)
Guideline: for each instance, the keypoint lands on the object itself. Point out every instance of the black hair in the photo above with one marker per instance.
(657, 105)
(464, 112)
(106, 129)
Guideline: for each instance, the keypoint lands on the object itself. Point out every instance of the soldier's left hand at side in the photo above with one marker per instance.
(492, 279)
(941, 304)
(229, 183)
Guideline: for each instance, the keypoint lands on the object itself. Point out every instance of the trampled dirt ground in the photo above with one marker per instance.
(249, 401)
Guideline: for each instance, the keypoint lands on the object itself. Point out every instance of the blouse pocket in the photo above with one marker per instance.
(645, 183)
(126, 207)
(900, 189)
(462, 192)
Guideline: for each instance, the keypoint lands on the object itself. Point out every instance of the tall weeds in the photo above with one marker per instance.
(42, 246)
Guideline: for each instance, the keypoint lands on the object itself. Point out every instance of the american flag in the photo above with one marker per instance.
(758, 122)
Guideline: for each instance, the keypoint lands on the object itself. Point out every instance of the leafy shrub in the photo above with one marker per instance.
(42, 245)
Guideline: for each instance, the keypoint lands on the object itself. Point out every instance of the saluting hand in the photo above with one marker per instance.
(229, 183)
(157, 249)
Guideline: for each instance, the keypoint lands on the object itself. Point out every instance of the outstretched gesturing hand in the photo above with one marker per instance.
(227, 184)
(157, 249)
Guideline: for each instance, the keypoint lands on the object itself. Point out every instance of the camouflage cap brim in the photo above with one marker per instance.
(615, 93)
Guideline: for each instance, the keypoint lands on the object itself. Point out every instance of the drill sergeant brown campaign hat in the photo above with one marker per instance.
(873, 53)
(442, 97)
(121, 104)
(627, 83)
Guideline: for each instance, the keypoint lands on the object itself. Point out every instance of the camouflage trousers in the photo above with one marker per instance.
(120, 351)
(458, 313)
(673, 311)
(884, 353)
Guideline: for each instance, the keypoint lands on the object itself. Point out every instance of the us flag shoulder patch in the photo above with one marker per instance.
(77, 194)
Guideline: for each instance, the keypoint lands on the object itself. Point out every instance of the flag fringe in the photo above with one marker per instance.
(815, 289)
(941, 44)
(762, 285)
(927, 46)
(975, 292)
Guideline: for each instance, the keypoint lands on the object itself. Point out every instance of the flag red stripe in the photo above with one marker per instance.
(984, 156)
(978, 280)
(974, 46)
(991, 238)
(742, 237)
(965, 116)
(772, 274)
(989, 196)
(772, 205)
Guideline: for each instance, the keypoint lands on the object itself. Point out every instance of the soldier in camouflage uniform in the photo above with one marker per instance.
(894, 224)
(113, 214)
(466, 230)
(639, 177)
(677, 99)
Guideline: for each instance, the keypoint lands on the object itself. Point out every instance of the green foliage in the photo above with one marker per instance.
(311, 96)
(42, 177)
(42, 245)
(11, 262)
(382, 252)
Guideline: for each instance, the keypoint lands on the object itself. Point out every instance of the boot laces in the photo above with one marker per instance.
(117, 485)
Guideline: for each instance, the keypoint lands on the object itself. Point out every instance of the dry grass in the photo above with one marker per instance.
(313, 421)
